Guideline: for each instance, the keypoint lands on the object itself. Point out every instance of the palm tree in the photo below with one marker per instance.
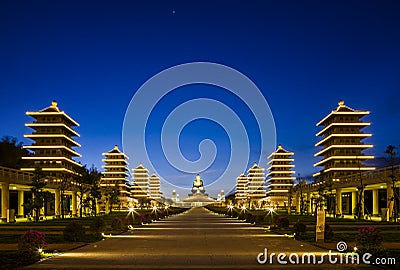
(391, 159)
(94, 177)
(82, 178)
(38, 195)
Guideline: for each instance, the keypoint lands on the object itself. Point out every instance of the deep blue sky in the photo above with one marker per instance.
(91, 56)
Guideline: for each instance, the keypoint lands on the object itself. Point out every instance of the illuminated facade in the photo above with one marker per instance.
(53, 142)
(342, 146)
(54, 154)
(154, 187)
(140, 187)
(280, 179)
(241, 187)
(256, 183)
(115, 174)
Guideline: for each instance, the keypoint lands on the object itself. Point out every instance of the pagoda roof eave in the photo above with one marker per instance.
(33, 125)
(361, 157)
(31, 136)
(52, 147)
(362, 124)
(365, 135)
(334, 112)
(350, 169)
(53, 158)
(62, 113)
(360, 146)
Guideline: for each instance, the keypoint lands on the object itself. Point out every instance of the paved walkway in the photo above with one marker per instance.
(196, 239)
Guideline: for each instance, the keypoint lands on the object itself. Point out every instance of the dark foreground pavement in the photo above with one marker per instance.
(197, 239)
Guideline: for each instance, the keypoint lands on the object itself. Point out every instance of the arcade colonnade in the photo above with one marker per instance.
(15, 192)
(377, 199)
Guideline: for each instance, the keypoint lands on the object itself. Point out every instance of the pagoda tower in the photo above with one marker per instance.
(53, 142)
(342, 146)
(140, 187)
(256, 182)
(116, 174)
(154, 187)
(241, 187)
(280, 179)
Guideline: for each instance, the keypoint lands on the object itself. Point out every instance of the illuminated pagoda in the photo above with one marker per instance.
(280, 179)
(256, 183)
(241, 187)
(53, 141)
(342, 146)
(154, 187)
(54, 154)
(140, 188)
(116, 174)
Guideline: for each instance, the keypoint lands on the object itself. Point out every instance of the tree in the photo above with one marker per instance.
(63, 185)
(143, 202)
(94, 177)
(290, 197)
(360, 201)
(11, 153)
(391, 158)
(301, 186)
(319, 201)
(82, 178)
(112, 196)
(38, 195)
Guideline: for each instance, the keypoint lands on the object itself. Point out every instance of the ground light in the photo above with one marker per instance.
(271, 211)
(230, 208)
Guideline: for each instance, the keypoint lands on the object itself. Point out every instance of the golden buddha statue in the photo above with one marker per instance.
(197, 185)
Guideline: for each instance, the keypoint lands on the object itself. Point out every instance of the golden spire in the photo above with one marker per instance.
(54, 103)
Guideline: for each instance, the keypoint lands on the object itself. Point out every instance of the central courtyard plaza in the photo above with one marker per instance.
(195, 239)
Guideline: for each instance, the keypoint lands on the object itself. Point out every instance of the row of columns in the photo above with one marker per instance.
(354, 196)
(5, 201)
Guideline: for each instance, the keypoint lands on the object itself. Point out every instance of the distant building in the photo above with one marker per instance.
(115, 175)
(175, 196)
(256, 183)
(221, 196)
(53, 142)
(154, 187)
(140, 189)
(280, 179)
(342, 146)
(241, 187)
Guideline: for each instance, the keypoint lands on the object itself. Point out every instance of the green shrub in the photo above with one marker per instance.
(98, 225)
(130, 220)
(328, 233)
(116, 224)
(259, 219)
(74, 232)
(282, 222)
(299, 229)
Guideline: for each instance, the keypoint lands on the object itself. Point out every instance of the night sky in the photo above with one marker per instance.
(304, 56)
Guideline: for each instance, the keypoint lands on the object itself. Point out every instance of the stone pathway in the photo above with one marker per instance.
(197, 239)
